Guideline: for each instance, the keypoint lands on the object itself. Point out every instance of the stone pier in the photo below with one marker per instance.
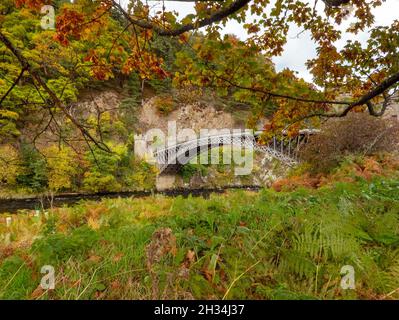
(165, 181)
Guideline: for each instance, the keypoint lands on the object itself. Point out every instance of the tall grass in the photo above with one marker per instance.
(240, 245)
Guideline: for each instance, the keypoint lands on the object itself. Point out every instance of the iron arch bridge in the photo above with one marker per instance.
(171, 158)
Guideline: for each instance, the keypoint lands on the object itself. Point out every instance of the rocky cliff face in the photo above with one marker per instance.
(393, 109)
(195, 116)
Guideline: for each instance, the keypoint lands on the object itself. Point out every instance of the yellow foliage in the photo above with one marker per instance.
(61, 167)
(164, 104)
(9, 164)
(93, 223)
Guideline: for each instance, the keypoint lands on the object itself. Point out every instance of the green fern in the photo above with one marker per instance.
(324, 243)
(293, 262)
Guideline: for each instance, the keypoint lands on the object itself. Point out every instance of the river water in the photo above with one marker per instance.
(45, 201)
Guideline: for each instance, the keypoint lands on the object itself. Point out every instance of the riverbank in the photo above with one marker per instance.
(46, 201)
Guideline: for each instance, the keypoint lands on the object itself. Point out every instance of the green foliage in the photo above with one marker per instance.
(287, 245)
(26, 102)
(62, 168)
(161, 86)
(117, 170)
(241, 245)
(270, 245)
(139, 175)
(101, 175)
(190, 169)
(59, 247)
(165, 48)
(8, 126)
(129, 107)
(33, 174)
(15, 279)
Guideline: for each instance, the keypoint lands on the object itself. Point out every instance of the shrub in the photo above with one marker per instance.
(164, 104)
(114, 171)
(9, 165)
(15, 279)
(355, 134)
(160, 85)
(129, 109)
(59, 247)
(96, 181)
(103, 169)
(190, 169)
(33, 174)
(140, 175)
(62, 168)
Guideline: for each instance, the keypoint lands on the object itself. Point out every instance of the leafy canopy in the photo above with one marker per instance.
(100, 39)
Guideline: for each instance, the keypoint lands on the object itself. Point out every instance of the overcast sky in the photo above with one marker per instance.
(298, 49)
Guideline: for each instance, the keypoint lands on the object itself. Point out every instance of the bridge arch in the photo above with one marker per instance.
(172, 157)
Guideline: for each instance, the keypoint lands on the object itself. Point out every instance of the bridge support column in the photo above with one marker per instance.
(165, 181)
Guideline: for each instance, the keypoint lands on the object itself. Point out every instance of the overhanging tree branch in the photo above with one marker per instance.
(214, 17)
(364, 100)
(57, 102)
(335, 3)
(236, 6)
(381, 88)
(281, 96)
(13, 85)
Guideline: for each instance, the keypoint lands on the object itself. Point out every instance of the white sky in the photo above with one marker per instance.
(298, 49)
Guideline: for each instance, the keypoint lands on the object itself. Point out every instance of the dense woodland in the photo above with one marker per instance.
(339, 205)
